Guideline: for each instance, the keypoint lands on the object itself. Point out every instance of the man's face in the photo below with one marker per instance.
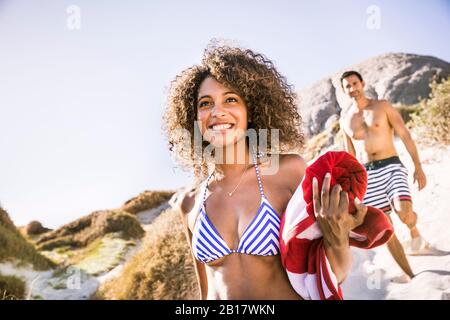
(353, 87)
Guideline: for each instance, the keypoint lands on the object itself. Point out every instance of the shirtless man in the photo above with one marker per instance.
(368, 127)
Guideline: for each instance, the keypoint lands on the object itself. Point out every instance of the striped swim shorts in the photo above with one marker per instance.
(387, 180)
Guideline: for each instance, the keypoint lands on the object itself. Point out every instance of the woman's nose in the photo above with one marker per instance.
(217, 110)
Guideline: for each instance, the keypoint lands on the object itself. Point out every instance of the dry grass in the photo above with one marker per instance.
(14, 247)
(320, 143)
(408, 112)
(162, 269)
(11, 288)
(432, 120)
(85, 230)
(146, 200)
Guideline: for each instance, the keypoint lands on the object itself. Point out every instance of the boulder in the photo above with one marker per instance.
(400, 78)
(35, 228)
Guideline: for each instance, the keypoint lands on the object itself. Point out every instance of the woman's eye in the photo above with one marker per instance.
(231, 100)
(203, 104)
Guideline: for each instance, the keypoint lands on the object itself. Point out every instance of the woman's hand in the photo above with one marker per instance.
(332, 214)
(335, 222)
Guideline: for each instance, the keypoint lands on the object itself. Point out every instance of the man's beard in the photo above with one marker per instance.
(355, 95)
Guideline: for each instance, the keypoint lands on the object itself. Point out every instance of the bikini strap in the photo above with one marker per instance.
(258, 176)
(205, 188)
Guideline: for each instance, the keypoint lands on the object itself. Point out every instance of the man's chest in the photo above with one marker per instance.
(358, 124)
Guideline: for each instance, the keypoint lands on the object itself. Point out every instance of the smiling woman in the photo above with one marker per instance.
(247, 80)
(232, 218)
(215, 98)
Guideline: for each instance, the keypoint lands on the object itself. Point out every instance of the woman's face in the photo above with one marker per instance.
(221, 112)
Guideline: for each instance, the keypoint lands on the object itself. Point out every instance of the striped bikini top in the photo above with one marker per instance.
(261, 237)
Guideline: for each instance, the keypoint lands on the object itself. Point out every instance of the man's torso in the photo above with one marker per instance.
(370, 131)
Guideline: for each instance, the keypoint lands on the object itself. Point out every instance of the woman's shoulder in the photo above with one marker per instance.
(187, 201)
(292, 169)
(289, 168)
(286, 161)
(292, 161)
(191, 195)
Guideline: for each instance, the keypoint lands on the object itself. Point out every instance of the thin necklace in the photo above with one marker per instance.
(231, 193)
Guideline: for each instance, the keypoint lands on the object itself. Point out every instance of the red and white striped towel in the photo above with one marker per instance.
(301, 243)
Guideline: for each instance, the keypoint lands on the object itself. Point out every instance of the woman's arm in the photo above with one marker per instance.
(331, 209)
(187, 203)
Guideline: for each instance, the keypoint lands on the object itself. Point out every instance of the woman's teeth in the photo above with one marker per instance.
(222, 126)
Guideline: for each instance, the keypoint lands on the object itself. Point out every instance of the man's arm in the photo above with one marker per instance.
(348, 144)
(395, 119)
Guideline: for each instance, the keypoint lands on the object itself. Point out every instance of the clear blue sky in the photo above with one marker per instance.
(80, 109)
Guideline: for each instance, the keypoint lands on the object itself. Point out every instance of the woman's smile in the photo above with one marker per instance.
(221, 126)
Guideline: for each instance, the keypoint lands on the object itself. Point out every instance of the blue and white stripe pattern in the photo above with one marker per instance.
(386, 183)
(261, 237)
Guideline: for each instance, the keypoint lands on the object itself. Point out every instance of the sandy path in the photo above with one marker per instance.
(73, 284)
(373, 269)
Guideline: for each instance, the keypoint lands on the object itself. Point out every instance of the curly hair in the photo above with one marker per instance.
(271, 101)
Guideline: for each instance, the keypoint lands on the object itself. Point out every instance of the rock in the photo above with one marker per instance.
(398, 77)
(85, 230)
(146, 200)
(35, 228)
(317, 104)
